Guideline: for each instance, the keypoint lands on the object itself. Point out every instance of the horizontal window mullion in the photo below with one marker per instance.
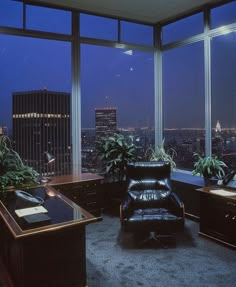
(187, 41)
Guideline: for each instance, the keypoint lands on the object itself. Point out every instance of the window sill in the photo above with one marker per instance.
(187, 178)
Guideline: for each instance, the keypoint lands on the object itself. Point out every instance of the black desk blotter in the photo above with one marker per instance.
(38, 218)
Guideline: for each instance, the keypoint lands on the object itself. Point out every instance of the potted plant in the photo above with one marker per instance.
(115, 152)
(160, 154)
(209, 167)
(13, 172)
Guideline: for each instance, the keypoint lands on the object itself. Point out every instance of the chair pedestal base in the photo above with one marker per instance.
(154, 239)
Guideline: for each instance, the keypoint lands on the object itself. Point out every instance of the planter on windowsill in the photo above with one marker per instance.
(112, 194)
(208, 181)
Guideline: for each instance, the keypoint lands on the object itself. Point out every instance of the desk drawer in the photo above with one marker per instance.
(84, 194)
(218, 217)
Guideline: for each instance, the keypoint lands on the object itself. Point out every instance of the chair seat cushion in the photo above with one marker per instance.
(154, 219)
(153, 213)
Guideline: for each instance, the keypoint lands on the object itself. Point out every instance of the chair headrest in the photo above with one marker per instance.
(148, 170)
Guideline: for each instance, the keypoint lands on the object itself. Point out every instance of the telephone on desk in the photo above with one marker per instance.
(25, 199)
(230, 179)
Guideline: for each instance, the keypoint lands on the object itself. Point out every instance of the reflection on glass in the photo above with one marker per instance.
(223, 98)
(182, 29)
(183, 97)
(58, 210)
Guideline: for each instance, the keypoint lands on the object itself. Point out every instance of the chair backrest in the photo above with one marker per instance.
(148, 170)
(149, 182)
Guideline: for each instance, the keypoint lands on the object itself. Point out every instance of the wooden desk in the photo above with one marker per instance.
(218, 215)
(51, 255)
(83, 189)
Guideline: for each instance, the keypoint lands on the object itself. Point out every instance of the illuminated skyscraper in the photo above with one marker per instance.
(218, 127)
(105, 121)
(3, 130)
(41, 122)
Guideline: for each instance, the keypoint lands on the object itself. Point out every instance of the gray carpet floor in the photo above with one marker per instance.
(114, 260)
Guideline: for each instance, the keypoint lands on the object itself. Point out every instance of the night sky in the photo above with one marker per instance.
(110, 77)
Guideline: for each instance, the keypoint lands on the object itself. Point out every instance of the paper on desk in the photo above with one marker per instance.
(222, 192)
(30, 210)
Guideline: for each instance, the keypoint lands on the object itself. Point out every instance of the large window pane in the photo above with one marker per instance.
(223, 15)
(48, 20)
(98, 27)
(224, 98)
(136, 33)
(11, 13)
(183, 97)
(119, 85)
(35, 87)
(182, 29)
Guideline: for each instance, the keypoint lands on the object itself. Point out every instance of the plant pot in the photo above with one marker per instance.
(113, 193)
(208, 181)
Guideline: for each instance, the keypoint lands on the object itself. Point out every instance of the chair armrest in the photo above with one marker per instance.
(176, 204)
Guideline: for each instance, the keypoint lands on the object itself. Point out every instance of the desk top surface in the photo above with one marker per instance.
(72, 178)
(220, 191)
(63, 212)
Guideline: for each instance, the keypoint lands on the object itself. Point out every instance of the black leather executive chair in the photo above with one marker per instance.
(150, 206)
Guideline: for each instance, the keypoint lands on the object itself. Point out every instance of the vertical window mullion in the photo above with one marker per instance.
(158, 87)
(76, 98)
(207, 63)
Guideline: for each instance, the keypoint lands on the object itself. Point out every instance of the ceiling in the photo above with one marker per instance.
(149, 11)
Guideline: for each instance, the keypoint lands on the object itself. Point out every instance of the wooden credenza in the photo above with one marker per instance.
(218, 215)
(84, 189)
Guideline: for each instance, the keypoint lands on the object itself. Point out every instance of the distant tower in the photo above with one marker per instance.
(105, 121)
(218, 127)
(218, 141)
(41, 122)
(3, 130)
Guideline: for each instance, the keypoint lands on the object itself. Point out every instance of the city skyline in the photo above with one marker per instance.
(217, 124)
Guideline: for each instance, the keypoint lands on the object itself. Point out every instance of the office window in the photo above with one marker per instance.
(48, 20)
(136, 33)
(11, 14)
(183, 102)
(35, 88)
(224, 98)
(117, 89)
(182, 29)
(98, 27)
(223, 15)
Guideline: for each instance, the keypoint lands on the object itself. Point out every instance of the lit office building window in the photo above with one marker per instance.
(105, 122)
(41, 124)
